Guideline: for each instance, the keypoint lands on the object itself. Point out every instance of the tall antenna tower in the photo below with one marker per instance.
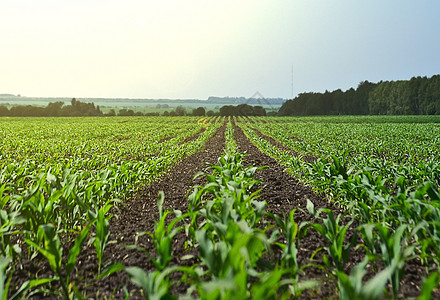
(291, 88)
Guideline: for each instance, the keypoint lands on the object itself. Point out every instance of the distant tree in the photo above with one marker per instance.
(242, 110)
(78, 108)
(200, 111)
(210, 113)
(259, 111)
(111, 113)
(166, 113)
(288, 108)
(126, 112)
(180, 111)
(352, 101)
(27, 111)
(227, 110)
(4, 111)
(53, 109)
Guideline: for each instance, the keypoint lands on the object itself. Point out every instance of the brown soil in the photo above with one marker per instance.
(165, 139)
(193, 137)
(307, 158)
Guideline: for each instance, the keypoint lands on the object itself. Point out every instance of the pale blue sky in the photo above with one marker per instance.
(200, 48)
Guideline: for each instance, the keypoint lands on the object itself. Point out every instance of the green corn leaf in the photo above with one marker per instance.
(164, 252)
(31, 284)
(113, 268)
(53, 251)
(429, 284)
(4, 262)
(76, 249)
(311, 208)
(160, 201)
(320, 228)
(374, 288)
(397, 238)
(138, 276)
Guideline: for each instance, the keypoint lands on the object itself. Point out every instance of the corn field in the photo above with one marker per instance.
(375, 233)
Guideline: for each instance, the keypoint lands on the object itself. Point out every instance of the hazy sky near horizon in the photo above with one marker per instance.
(202, 48)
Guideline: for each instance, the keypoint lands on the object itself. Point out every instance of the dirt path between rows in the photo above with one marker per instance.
(283, 193)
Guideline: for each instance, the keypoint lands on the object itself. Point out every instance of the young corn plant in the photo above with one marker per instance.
(230, 243)
(52, 250)
(8, 228)
(288, 268)
(5, 276)
(289, 230)
(429, 285)
(353, 286)
(334, 235)
(229, 187)
(392, 249)
(231, 264)
(102, 234)
(157, 284)
(162, 236)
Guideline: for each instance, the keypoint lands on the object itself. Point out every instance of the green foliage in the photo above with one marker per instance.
(59, 178)
(224, 225)
(386, 176)
(4, 263)
(53, 109)
(162, 236)
(418, 96)
(101, 222)
(58, 183)
(242, 110)
(431, 283)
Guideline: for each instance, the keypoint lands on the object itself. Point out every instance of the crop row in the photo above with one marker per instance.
(61, 177)
(231, 240)
(392, 150)
(52, 194)
(394, 200)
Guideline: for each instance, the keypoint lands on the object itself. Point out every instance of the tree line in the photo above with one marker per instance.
(242, 110)
(417, 96)
(53, 109)
(82, 109)
(79, 109)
